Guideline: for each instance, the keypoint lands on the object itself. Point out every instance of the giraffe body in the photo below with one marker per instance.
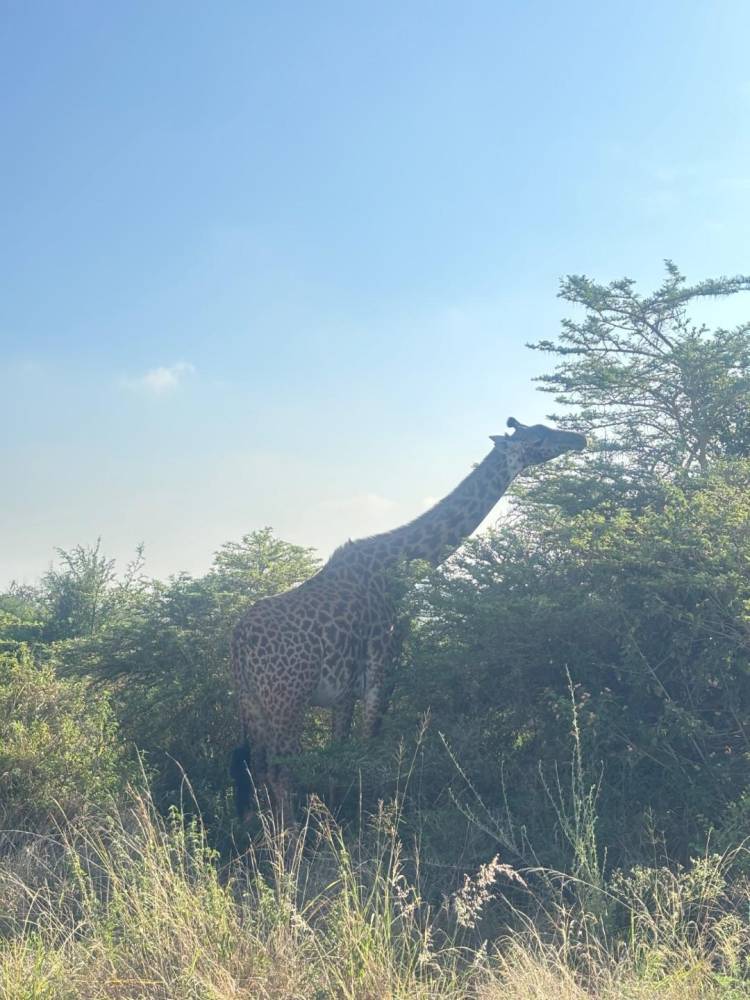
(328, 641)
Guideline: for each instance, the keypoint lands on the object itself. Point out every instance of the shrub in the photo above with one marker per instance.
(59, 746)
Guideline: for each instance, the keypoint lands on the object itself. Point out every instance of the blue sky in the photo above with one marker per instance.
(277, 263)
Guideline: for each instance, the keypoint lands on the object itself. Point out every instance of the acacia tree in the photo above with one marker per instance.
(624, 570)
(667, 393)
(83, 594)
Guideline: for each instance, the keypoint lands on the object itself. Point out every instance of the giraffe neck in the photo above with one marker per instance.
(439, 531)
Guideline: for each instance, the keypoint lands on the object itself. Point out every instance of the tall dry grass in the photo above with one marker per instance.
(127, 904)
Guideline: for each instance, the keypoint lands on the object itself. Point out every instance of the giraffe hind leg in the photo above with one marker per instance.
(283, 748)
(341, 719)
(250, 776)
(239, 770)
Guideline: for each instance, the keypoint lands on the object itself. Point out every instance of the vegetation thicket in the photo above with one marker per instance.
(559, 800)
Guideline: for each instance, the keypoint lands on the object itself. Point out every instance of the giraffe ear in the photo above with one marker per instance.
(497, 438)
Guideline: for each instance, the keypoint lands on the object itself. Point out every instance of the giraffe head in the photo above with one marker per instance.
(538, 443)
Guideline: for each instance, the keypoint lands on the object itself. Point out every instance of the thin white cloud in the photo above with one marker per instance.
(161, 381)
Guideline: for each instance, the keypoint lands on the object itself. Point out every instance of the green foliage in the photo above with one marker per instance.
(258, 566)
(20, 617)
(82, 595)
(670, 393)
(647, 613)
(162, 649)
(59, 746)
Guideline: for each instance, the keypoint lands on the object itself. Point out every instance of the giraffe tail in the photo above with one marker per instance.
(239, 770)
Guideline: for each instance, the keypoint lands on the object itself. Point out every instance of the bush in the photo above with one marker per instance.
(59, 745)
(647, 613)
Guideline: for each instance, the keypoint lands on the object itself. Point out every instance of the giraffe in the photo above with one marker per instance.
(327, 641)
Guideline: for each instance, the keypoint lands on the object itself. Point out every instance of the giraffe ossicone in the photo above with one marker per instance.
(327, 642)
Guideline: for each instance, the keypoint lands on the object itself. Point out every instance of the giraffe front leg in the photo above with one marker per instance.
(379, 653)
(382, 650)
(341, 727)
(373, 709)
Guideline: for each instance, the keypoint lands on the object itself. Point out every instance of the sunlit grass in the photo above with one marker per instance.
(131, 905)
